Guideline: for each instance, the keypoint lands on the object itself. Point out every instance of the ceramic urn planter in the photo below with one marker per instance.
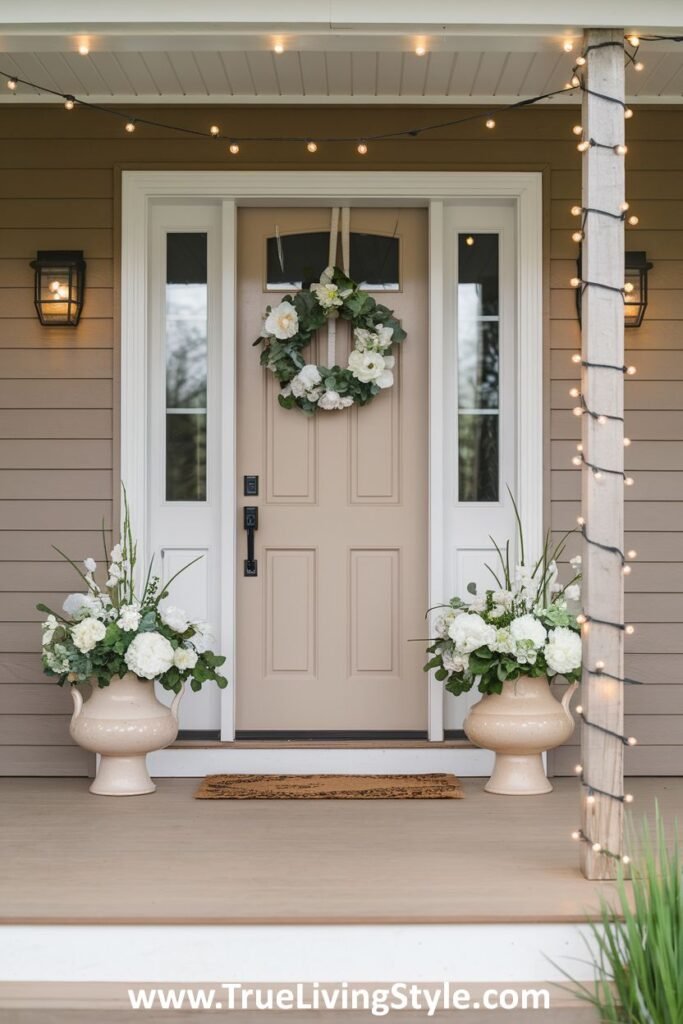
(123, 722)
(519, 724)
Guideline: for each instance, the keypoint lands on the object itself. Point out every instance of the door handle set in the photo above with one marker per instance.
(250, 525)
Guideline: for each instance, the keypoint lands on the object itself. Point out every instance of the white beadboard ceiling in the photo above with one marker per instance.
(314, 68)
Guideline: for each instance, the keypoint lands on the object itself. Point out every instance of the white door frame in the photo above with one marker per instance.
(429, 189)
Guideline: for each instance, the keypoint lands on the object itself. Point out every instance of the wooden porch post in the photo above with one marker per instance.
(602, 493)
(602, 496)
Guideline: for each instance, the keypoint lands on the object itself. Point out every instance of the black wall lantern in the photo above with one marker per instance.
(59, 287)
(636, 268)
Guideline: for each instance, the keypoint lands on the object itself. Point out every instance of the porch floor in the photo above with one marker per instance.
(69, 857)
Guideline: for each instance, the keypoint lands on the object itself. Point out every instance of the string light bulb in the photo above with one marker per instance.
(578, 129)
(490, 123)
(627, 442)
(583, 146)
(130, 127)
(577, 411)
(84, 50)
(578, 769)
(621, 149)
(633, 220)
(634, 40)
(581, 522)
(576, 358)
(629, 481)
(362, 148)
(596, 848)
(581, 618)
(279, 48)
(575, 282)
(632, 553)
(420, 50)
(576, 835)
(624, 206)
(214, 130)
(628, 798)
(626, 570)
(234, 148)
(69, 103)
(577, 236)
(11, 84)
(638, 66)
(581, 61)
(469, 240)
(568, 46)
(311, 146)
(628, 112)
(574, 392)
(626, 859)
(629, 630)
(590, 799)
(579, 711)
(631, 371)
(576, 81)
(628, 287)
(632, 742)
(602, 420)
(576, 211)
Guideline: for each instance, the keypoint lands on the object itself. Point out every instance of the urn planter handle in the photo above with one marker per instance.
(77, 698)
(176, 701)
(567, 698)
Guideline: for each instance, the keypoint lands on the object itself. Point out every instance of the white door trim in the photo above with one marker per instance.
(431, 189)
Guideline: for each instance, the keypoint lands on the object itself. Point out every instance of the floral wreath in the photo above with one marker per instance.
(289, 327)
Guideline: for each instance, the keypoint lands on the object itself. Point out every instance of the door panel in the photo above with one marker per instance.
(323, 631)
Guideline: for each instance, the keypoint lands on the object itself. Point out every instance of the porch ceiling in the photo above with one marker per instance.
(317, 66)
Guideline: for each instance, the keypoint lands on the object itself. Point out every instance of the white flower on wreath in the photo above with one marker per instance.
(331, 400)
(376, 340)
(367, 366)
(563, 651)
(87, 633)
(306, 381)
(469, 632)
(149, 655)
(282, 322)
(329, 295)
(454, 662)
(175, 618)
(528, 628)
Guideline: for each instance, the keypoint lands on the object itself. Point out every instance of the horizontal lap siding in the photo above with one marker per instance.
(57, 460)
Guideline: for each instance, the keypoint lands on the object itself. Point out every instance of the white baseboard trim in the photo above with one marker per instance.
(286, 953)
(178, 762)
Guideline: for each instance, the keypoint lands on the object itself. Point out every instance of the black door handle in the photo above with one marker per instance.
(250, 524)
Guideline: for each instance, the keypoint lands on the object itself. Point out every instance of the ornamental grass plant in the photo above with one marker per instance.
(639, 943)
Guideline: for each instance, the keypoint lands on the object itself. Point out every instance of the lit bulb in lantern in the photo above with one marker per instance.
(54, 286)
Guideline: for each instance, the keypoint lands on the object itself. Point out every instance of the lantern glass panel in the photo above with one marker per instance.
(59, 287)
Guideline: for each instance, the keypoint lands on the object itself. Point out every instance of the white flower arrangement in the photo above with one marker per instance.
(105, 633)
(523, 627)
(289, 327)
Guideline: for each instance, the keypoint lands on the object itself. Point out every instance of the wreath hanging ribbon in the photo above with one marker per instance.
(289, 327)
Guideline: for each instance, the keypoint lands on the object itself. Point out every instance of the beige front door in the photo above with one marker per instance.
(324, 629)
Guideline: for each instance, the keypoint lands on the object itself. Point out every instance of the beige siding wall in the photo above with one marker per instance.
(58, 181)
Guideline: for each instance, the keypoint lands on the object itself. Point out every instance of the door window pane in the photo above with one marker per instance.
(478, 360)
(186, 336)
(295, 261)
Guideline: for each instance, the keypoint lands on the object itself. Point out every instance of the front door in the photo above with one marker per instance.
(324, 628)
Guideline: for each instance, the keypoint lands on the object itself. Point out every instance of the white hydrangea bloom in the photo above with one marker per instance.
(527, 627)
(87, 634)
(184, 658)
(563, 651)
(331, 400)
(454, 662)
(129, 617)
(80, 606)
(469, 632)
(443, 621)
(175, 618)
(149, 655)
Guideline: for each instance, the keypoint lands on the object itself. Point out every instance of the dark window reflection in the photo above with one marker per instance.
(186, 456)
(478, 369)
(186, 365)
(296, 261)
(478, 457)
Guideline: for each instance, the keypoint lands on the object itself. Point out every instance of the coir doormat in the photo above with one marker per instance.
(439, 786)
